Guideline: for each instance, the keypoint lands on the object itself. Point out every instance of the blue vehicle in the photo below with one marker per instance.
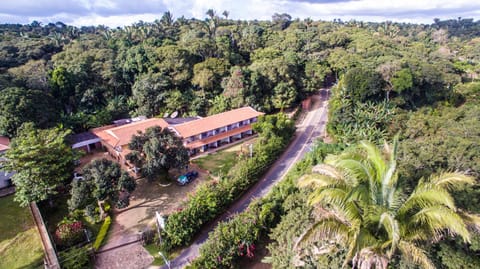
(192, 175)
(187, 178)
(182, 180)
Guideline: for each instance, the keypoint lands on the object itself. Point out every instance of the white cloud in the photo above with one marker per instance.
(124, 12)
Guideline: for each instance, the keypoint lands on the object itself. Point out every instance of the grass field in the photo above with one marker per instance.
(20, 245)
(220, 162)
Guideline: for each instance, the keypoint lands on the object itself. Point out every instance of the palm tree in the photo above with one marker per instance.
(363, 206)
(225, 14)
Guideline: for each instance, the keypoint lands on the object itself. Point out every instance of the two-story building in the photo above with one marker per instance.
(198, 134)
(211, 132)
(115, 139)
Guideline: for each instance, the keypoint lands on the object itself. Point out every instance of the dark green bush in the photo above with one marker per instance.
(232, 240)
(212, 198)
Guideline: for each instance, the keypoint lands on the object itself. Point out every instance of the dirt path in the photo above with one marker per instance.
(149, 197)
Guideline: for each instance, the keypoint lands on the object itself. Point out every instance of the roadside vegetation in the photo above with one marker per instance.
(417, 81)
(211, 198)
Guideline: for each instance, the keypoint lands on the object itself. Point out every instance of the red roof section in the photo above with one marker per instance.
(206, 124)
(121, 135)
(4, 143)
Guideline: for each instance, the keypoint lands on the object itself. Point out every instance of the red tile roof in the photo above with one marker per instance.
(121, 135)
(215, 121)
(4, 143)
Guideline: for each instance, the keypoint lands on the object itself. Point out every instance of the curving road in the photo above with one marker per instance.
(312, 126)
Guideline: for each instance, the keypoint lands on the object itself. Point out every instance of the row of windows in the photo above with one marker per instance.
(221, 130)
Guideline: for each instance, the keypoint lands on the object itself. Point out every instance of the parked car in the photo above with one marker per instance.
(187, 178)
(192, 175)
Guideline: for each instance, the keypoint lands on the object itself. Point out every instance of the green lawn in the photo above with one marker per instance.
(20, 245)
(220, 162)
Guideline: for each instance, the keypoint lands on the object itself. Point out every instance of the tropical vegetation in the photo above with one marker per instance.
(211, 198)
(419, 81)
(364, 207)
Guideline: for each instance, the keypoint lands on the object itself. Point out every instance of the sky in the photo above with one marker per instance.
(115, 13)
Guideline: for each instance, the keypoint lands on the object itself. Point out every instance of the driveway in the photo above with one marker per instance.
(122, 249)
(311, 128)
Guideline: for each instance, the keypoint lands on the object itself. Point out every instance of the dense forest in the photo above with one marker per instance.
(417, 81)
(86, 77)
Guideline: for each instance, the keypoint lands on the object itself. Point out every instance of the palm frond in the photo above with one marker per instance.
(318, 181)
(330, 196)
(471, 220)
(437, 219)
(355, 170)
(361, 193)
(415, 255)
(425, 198)
(328, 228)
(350, 211)
(369, 258)
(328, 170)
(451, 181)
(390, 224)
(389, 183)
(375, 157)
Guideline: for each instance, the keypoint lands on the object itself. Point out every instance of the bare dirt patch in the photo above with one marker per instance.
(148, 198)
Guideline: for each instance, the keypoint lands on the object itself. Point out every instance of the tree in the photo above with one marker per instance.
(270, 126)
(363, 205)
(42, 160)
(225, 13)
(157, 151)
(282, 21)
(362, 84)
(176, 63)
(284, 95)
(208, 74)
(62, 83)
(149, 93)
(235, 86)
(102, 180)
(388, 70)
(402, 80)
(18, 105)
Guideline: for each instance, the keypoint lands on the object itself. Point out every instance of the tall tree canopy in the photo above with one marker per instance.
(18, 105)
(103, 180)
(156, 151)
(42, 161)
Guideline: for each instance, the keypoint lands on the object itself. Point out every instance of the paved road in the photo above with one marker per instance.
(311, 127)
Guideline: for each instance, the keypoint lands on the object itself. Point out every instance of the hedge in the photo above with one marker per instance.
(102, 233)
(212, 198)
(232, 240)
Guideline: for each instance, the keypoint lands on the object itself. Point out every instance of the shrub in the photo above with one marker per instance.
(212, 198)
(102, 233)
(69, 233)
(75, 258)
(236, 238)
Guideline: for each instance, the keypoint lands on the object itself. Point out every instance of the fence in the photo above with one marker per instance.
(51, 260)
